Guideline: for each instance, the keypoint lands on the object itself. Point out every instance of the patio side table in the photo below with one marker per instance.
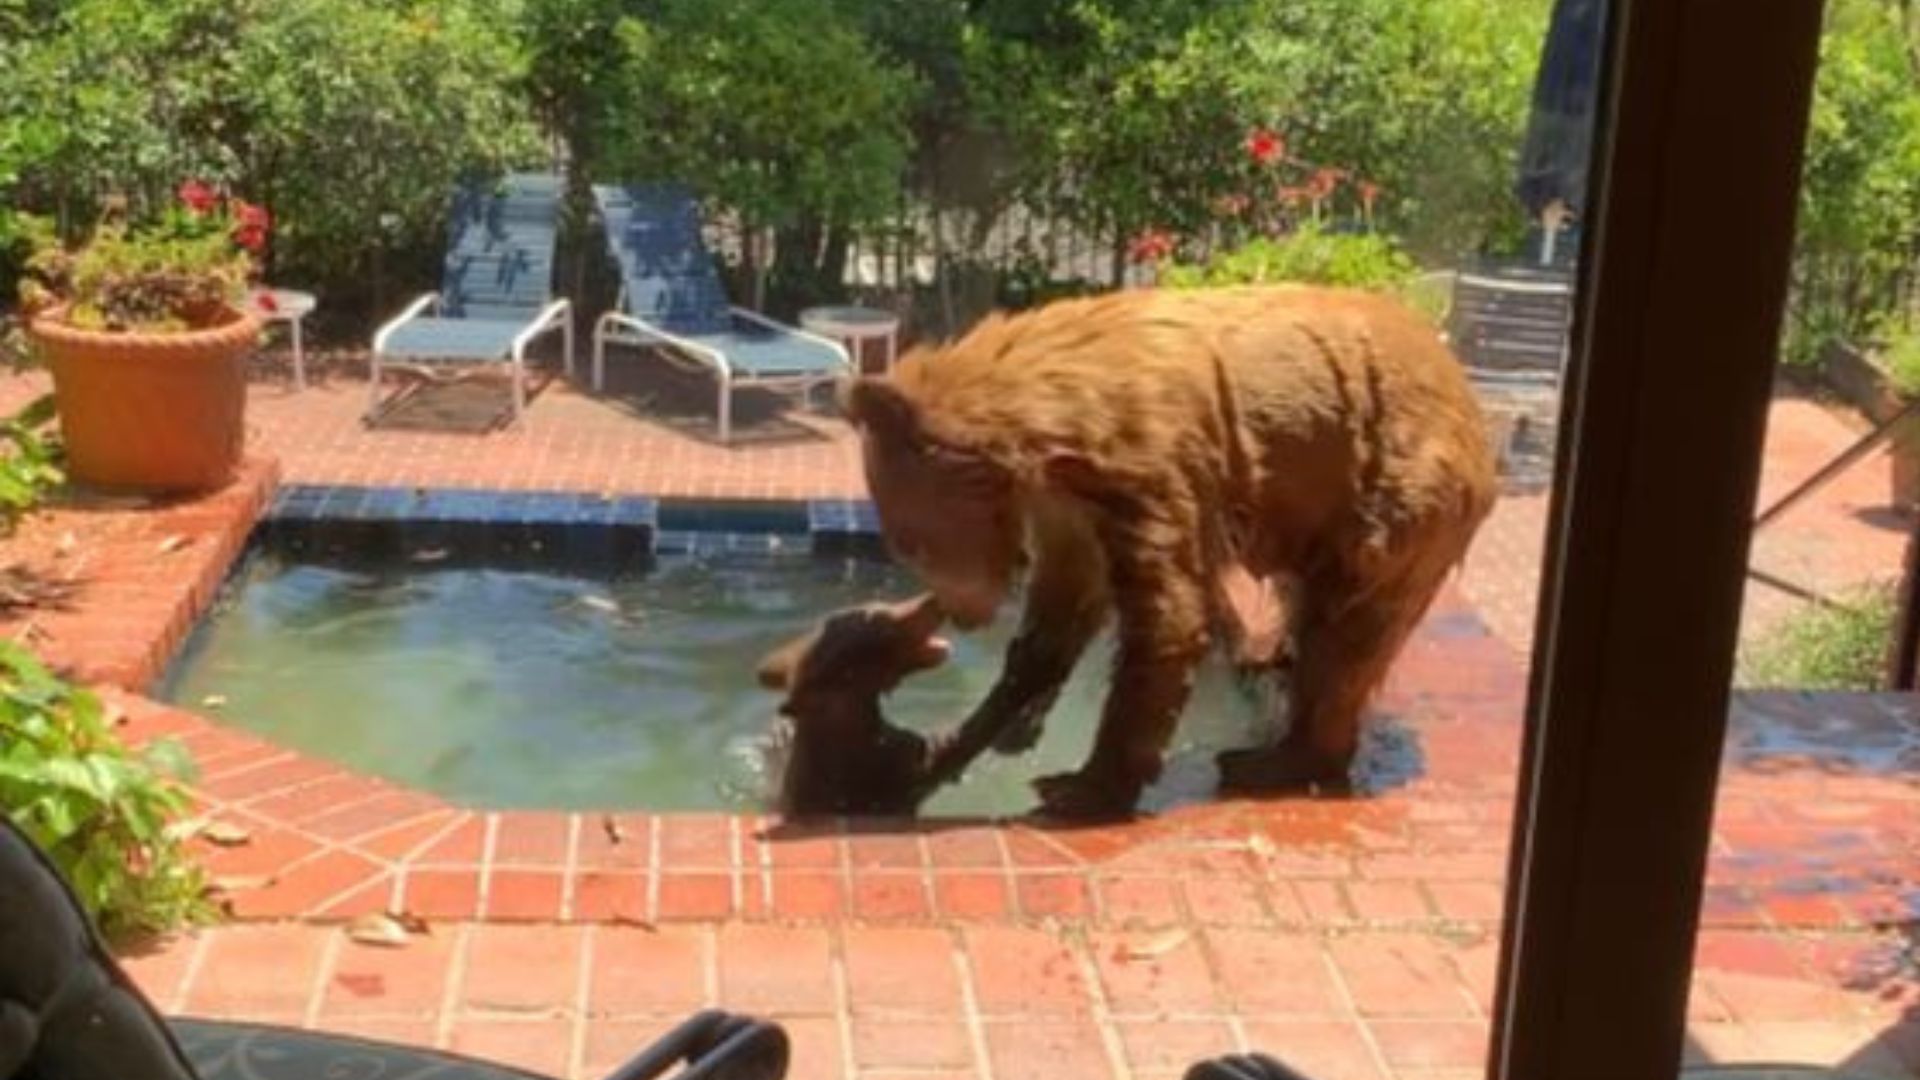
(855, 325)
(289, 306)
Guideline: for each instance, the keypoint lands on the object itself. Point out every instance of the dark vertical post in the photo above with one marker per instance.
(1684, 261)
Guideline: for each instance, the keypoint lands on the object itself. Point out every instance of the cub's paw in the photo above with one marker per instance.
(1285, 768)
(1082, 796)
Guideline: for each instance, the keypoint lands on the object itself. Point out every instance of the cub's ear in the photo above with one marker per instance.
(920, 616)
(777, 667)
(875, 402)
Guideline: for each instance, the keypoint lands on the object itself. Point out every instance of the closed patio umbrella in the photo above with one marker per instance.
(1552, 181)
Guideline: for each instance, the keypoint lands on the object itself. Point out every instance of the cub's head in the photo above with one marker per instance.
(855, 656)
(946, 509)
(842, 756)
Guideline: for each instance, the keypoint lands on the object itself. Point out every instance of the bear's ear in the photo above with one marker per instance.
(874, 402)
(1074, 474)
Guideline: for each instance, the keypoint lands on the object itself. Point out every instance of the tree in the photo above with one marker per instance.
(1132, 114)
(1860, 194)
(781, 111)
(1427, 98)
(351, 120)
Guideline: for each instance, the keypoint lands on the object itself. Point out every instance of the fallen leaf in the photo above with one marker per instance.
(611, 826)
(1154, 948)
(244, 882)
(414, 924)
(174, 543)
(379, 929)
(225, 834)
(184, 829)
(214, 701)
(68, 541)
(1261, 846)
(636, 923)
(600, 603)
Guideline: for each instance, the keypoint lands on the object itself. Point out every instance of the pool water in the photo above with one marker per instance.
(531, 688)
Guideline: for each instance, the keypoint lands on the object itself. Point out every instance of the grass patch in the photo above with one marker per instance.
(1826, 648)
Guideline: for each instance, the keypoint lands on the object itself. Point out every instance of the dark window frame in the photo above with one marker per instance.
(1683, 278)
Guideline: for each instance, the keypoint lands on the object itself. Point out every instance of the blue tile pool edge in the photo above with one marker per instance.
(670, 525)
(665, 527)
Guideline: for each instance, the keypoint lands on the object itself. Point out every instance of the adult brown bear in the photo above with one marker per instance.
(1132, 446)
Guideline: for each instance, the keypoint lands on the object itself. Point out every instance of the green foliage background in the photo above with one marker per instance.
(814, 120)
(348, 119)
(1859, 229)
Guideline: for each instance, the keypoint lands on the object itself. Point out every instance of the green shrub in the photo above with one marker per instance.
(1827, 648)
(1316, 257)
(1900, 355)
(29, 463)
(98, 809)
(1311, 255)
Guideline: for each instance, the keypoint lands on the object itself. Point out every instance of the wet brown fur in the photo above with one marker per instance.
(1131, 447)
(841, 754)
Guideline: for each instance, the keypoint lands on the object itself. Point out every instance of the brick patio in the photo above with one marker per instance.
(1356, 938)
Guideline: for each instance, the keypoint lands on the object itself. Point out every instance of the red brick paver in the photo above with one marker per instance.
(595, 996)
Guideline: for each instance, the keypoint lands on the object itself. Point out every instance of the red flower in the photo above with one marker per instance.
(266, 302)
(1323, 183)
(197, 196)
(251, 216)
(1369, 191)
(1265, 146)
(252, 238)
(1150, 246)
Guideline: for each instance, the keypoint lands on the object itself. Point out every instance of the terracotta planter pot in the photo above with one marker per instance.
(156, 413)
(1906, 465)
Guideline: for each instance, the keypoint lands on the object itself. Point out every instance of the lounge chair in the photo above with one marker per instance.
(671, 296)
(496, 294)
(69, 1012)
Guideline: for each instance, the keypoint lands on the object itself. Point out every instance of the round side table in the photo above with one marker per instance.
(855, 325)
(289, 306)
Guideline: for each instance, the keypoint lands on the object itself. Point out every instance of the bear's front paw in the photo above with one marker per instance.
(1083, 796)
(1289, 767)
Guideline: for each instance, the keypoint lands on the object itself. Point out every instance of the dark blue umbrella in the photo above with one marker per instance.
(1553, 160)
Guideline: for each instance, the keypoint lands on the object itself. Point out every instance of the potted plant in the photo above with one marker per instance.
(1900, 361)
(147, 335)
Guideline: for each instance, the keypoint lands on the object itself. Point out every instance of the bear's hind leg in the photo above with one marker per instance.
(1347, 641)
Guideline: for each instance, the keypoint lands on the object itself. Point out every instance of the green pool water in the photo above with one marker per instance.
(532, 689)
